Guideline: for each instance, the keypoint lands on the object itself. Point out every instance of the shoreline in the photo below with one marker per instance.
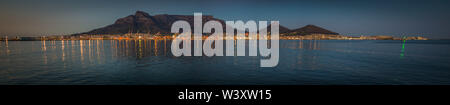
(171, 37)
(193, 39)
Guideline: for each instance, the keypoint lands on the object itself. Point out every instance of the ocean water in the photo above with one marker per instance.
(150, 62)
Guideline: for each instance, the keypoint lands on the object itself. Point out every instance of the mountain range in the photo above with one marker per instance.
(142, 22)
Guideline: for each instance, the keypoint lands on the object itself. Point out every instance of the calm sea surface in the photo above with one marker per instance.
(150, 62)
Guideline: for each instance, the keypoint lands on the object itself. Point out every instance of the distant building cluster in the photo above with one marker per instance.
(148, 36)
(133, 36)
(342, 37)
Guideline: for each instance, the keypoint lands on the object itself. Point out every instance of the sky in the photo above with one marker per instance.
(429, 18)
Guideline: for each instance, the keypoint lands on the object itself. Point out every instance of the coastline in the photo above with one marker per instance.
(170, 37)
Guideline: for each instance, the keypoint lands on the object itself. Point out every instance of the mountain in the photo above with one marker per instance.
(142, 22)
(311, 29)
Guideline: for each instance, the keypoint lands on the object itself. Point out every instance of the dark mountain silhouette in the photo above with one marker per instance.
(311, 29)
(142, 22)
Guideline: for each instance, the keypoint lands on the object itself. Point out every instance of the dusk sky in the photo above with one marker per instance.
(378, 17)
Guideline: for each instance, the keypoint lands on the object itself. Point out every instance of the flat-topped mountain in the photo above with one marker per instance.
(142, 22)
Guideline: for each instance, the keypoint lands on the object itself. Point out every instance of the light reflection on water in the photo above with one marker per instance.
(151, 62)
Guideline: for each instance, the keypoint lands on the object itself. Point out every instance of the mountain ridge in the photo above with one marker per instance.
(142, 22)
